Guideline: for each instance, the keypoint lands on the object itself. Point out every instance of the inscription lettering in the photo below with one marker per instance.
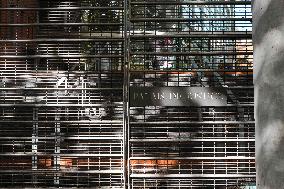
(177, 96)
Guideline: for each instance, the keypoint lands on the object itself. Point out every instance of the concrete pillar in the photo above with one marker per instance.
(268, 36)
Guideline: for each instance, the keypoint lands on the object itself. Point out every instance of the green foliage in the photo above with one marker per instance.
(103, 19)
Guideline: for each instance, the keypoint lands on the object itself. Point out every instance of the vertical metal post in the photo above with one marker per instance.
(34, 145)
(57, 148)
(125, 97)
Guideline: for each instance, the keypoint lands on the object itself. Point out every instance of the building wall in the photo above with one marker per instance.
(268, 35)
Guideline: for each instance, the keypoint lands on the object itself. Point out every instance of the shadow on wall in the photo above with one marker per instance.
(268, 37)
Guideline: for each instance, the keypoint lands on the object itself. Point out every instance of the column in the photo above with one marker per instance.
(268, 36)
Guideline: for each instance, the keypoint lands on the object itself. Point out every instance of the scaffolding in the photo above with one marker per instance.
(67, 68)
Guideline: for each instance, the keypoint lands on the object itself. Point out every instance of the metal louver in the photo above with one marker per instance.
(66, 69)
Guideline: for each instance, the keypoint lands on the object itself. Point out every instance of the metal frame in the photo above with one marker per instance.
(65, 76)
